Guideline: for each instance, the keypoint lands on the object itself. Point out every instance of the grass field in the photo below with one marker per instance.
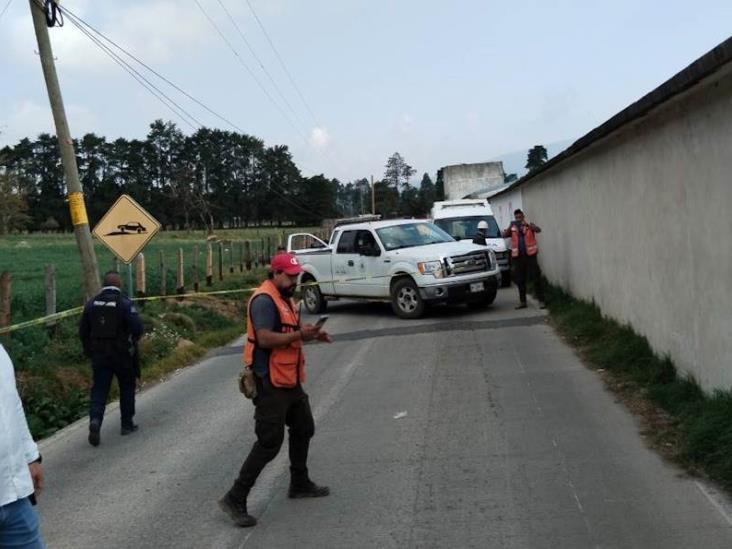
(53, 375)
(25, 257)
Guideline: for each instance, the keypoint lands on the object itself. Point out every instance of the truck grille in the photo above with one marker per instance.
(469, 263)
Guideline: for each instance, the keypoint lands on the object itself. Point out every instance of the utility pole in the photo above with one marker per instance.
(77, 207)
(373, 196)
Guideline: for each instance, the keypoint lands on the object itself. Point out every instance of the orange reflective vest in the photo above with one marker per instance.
(286, 364)
(532, 248)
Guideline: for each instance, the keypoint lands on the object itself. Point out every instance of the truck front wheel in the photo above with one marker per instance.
(315, 303)
(405, 299)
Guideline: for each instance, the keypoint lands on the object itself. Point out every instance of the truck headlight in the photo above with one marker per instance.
(491, 260)
(433, 268)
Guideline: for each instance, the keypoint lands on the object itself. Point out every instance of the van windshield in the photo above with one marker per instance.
(466, 227)
(409, 235)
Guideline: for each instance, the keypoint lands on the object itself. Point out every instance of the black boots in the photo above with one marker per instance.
(94, 427)
(128, 429)
(237, 510)
(307, 489)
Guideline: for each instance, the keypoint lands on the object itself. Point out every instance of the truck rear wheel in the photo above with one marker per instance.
(315, 303)
(405, 299)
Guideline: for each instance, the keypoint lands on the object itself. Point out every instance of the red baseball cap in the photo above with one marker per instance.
(287, 263)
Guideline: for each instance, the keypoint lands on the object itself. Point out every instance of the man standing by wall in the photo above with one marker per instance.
(274, 351)
(20, 464)
(110, 328)
(524, 251)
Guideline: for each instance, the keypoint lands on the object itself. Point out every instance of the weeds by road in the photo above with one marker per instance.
(682, 421)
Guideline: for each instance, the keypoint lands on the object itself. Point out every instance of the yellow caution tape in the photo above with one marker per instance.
(77, 310)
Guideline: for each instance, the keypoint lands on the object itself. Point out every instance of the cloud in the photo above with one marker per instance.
(29, 118)
(157, 31)
(319, 138)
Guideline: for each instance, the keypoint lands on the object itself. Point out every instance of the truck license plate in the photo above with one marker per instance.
(477, 287)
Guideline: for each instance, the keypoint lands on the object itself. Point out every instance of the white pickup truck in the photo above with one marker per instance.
(408, 262)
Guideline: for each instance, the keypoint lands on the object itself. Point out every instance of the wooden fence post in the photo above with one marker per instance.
(248, 255)
(180, 283)
(50, 294)
(5, 283)
(241, 257)
(231, 257)
(140, 280)
(269, 250)
(163, 274)
(209, 264)
(221, 260)
(195, 267)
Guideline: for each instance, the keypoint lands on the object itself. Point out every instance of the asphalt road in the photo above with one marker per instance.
(508, 442)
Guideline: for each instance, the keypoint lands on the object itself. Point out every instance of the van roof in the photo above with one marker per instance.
(455, 208)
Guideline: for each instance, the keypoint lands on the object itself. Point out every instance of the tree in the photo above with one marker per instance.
(427, 193)
(13, 206)
(536, 157)
(440, 185)
(398, 172)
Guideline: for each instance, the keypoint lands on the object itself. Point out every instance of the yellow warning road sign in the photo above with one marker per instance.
(126, 228)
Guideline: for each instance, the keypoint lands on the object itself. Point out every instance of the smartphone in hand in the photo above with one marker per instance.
(321, 321)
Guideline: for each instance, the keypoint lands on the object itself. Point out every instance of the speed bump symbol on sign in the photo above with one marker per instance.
(126, 228)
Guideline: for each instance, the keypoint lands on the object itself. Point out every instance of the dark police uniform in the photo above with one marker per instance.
(109, 330)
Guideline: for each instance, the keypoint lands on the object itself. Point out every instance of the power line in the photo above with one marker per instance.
(282, 64)
(156, 73)
(179, 111)
(259, 61)
(249, 70)
(5, 8)
(334, 158)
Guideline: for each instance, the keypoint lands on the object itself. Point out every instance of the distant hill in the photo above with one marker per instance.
(514, 162)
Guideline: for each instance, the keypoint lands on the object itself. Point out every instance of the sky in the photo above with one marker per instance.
(440, 82)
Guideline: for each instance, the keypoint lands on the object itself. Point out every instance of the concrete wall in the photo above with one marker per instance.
(464, 179)
(641, 222)
(504, 205)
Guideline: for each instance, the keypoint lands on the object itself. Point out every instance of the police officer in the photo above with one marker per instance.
(109, 330)
(274, 351)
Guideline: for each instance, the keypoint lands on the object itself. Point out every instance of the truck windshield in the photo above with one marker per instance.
(466, 227)
(412, 234)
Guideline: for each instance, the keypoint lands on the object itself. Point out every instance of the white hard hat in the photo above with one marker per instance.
(482, 224)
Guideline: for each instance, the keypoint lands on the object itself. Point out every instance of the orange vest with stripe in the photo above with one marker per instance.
(532, 248)
(286, 364)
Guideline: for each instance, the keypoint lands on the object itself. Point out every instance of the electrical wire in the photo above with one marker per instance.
(174, 107)
(149, 68)
(249, 70)
(54, 17)
(331, 156)
(5, 8)
(259, 61)
(282, 64)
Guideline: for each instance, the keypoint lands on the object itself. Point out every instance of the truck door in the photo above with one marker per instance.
(344, 263)
(370, 267)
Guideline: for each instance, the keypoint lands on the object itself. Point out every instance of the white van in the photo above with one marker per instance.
(459, 218)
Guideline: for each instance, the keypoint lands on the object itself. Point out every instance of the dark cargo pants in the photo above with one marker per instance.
(527, 267)
(275, 409)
